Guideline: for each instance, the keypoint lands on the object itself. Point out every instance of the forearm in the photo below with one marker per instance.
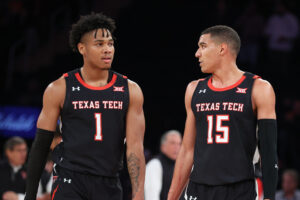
(267, 133)
(182, 171)
(136, 169)
(36, 161)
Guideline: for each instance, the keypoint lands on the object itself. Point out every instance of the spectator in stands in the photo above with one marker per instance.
(281, 30)
(159, 170)
(289, 186)
(12, 170)
(250, 36)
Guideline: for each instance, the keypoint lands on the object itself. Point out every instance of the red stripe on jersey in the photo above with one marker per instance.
(201, 79)
(65, 74)
(113, 80)
(259, 188)
(125, 77)
(210, 85)
(256, 77)
(53, 195)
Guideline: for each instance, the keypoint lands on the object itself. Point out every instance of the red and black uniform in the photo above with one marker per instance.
(93, 131)
(225, 140)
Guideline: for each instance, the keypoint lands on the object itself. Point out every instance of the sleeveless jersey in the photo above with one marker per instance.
(225, 132)
(93, 125)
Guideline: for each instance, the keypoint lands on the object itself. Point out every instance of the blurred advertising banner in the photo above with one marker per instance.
(18, 121)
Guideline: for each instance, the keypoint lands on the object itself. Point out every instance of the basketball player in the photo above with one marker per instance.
(98, 109)
(223, 111)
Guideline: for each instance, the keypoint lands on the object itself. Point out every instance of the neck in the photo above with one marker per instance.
(94, 74)
(226, 74)
(13, 165)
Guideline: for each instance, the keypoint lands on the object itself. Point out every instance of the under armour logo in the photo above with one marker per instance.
(76, 88)
(276, 166)
(67, 180)
(202, 91)
(192, 198)
(241, 90)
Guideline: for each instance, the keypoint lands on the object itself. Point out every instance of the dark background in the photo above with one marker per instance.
(155, 47)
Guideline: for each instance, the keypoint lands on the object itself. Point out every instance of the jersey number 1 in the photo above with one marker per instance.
(98, 135)
(219, 128)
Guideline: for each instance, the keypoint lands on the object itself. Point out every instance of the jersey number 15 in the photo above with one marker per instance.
(222, 138)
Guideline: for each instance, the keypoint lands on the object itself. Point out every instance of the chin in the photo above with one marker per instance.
(105, 67)
(203, 70)
(206, 71)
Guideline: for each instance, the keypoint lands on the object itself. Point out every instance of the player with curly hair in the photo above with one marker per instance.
(98, 109)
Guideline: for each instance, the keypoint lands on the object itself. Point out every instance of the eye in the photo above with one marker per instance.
(99, 44)
(110, 44)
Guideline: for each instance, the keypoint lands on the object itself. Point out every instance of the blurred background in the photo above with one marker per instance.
(155, 46)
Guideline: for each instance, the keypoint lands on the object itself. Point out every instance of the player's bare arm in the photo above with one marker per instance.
(264, 101)
(185, 157)
(135, 128)
(52, 103)
(53, 100)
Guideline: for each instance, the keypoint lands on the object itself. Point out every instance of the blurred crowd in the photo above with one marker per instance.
(34, 51)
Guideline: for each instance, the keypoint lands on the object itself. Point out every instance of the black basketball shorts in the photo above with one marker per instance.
(237, 191)
(77, 186)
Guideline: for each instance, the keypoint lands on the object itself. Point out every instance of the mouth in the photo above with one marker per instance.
(106, 59)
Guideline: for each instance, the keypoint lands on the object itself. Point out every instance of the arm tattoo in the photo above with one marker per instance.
(133, 163)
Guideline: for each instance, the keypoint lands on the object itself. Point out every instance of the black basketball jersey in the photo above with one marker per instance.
(225, 132)
(93, 125)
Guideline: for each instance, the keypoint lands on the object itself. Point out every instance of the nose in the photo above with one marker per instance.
(107, 49)
(198, 53)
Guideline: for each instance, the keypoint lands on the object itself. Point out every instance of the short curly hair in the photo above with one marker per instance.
(89, 23)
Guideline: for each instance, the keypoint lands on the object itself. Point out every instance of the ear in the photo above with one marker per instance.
(81, 48)
(223, 48)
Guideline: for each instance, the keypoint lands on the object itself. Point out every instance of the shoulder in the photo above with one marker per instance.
(134, 89)
(262, 87)
(56, 86)
(132, 84)
(262, 91)
(191, 87)
(55, 91)
(136, 98)
(193, 84)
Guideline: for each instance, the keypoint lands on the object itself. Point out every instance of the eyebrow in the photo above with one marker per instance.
(202, 43)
